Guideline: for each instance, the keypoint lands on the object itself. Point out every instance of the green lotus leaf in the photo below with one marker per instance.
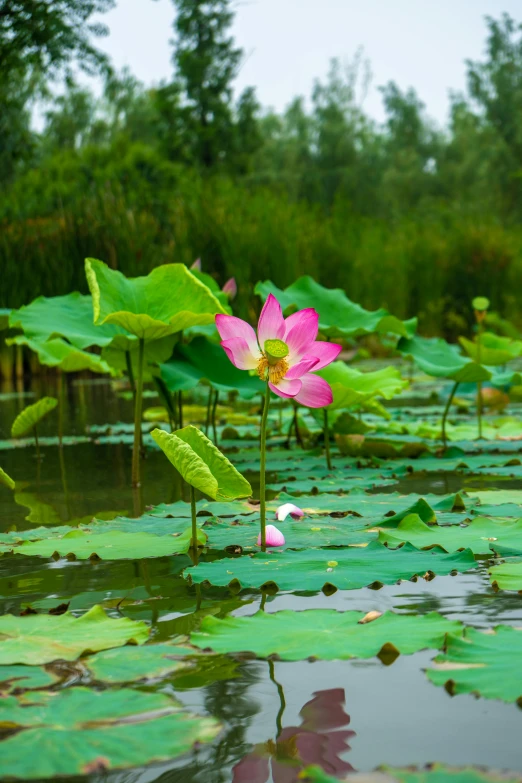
(166, 301)
(436, 357)
(155, 352)
(110, 545)
(351, 387)
(215, 367)
(5, 313)
(345, 569)
(201, 464)
(338, 316)
(41, 638)
(480, 303)
(21, 677)
(59, 353)
(179, 374)
(69, 316)
(336, 635)
(483, 663)
(6, 480)
(79, 731)
(481, 535)
(31, 416)
(137, 663)
(508, 575)
(434, 773)
(489, 356)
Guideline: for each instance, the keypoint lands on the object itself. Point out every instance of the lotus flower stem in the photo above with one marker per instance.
(479, 383)
(262, 469)
(60, 408)
(296, 425)
(214, 408)
(446, 411)
(327, 440)
(209, 410)
(37, 444)
(194, 523)
(180, 409)
(137, 417)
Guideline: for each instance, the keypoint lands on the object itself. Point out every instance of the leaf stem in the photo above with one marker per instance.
(180, 409)
(60, 408)
(327, 440)
(194, 523)
(137, 417)
(282, 701)
(262, 469)
(446, 411)
(214, 408)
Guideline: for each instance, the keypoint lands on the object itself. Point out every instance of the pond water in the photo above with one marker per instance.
(392, 713)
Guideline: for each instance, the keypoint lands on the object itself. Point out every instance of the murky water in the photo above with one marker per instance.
(392, 713)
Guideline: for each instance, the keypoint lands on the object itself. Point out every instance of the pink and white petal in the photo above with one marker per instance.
(296, 318)
(301, 368)
(238, 351)
(302, 335)
(274, 537)
(271, 325)
(230, 327)
(326, 353)
(286, 389)
(315, 392)
(288, 508)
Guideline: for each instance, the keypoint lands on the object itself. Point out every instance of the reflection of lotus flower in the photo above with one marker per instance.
(230, 288)
(274, 537)
(285, 352)
(315, 741)
(288, 508)
(197, 264)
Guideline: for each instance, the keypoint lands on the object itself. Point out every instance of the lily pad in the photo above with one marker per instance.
(336, 635)
(31, 416)
(81, 731)
(111, 545)
(434, 773)
(136, 663)
(41, 638)
(141, 305)
(344, 569)
(338, 316)
(481, 535)
(202, 464)
(508, 575)
(487, 664)
(24, 677)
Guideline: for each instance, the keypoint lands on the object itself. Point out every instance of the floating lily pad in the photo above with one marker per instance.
(111, 545)
(140, 305)
(487, 664)
(336, 635)
(78, 731)
(30, 417)
(24, 677)
(41, 638)
(508, 575)
(202, 464)
(481, 535)
(344, 569)
(434, 773)
(136, 663)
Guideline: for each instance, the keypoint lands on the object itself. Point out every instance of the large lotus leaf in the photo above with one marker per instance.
(494, 349)
(483, 663)
(434, 773)
(18, 676)
(69, 316)
(31, 416)
(136, 663)
(338, 316)
(351, 387)
(506, 378)
(345, 569)
(79, 731)
(167, 300)
(112, 545)
(211, 361)
(59, 353)
(180, 374)
(508, 575)
(436, 357)
(481, 535)
(41, 638)
(201, 464)
(5, 313)
(323, 633)
(6, 480)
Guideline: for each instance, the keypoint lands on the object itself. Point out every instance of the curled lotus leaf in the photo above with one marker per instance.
(31, 416)
(6, 480)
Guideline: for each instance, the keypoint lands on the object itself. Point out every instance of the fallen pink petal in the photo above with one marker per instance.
(289, 509)
(274, 537)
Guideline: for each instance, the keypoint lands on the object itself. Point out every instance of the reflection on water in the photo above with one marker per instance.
(276, 717)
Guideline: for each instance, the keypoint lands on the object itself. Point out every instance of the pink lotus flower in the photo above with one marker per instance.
(230, 288)
(274, 537)
(284, 351)
(288, 508)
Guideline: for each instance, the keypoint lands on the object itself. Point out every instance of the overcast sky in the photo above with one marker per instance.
(289, 43)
